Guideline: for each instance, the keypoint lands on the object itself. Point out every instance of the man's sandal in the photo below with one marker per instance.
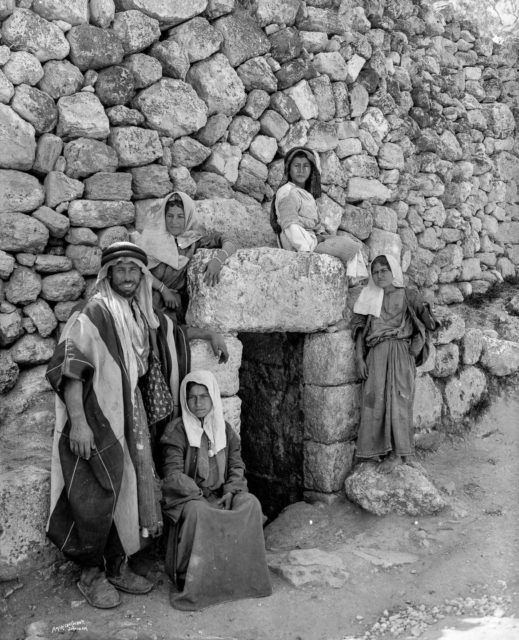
(130, 582)
(99, 593)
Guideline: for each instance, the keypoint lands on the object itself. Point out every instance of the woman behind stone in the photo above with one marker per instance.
(295, 216)
(221, 549)
(389, 327)
(170, 237)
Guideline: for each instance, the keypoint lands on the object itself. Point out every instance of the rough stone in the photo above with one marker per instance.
(242, 38)
(452, 327)
(6, 89)
(447, 359)
(172, 57)
(218, 84)
(146, 70)
(10, 328)
(102, 12)
(427, 406)
(42, 316)
(309, 568)
(121, 116)
(499, 357)
(188, 152)
(135, 146)
(114, 85)
(212, 185)
(23, 287)
(167, 12)
(47, 263)
(311, 282)
(109, 186)
(384, 242)
(257, 74)
(60, 188)
(62, 287)
(23, 68)
(19, 192)
(273, 12)
(182, 180)
(252, 176)
(367, 189)
(6, 265)
(273, 124)
(472, 346)
(108, 236)
(82, 115)
(241, 132)
(98, 214)
(357, 221)
(135, 30)
(304, 99)
(60, 78)
(17, 140)
(73, 11)
(405, 491)
(94, 48)
(224, 160)
(217, 8)
(35, 107)
(32, 349)
(332, 413)
(151, 181)
(8, 371)
(86, 260)
(202, 357)
(172, 107)
(25, 30)
(285, 45)
(198, 38)
(263, 148)
(56, 223)
(464, 391)
(86, 156)
(326, 465)
(214, 129)
(22, 233)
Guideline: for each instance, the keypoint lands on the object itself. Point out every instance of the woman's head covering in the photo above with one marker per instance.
(131, 330)
(371, 297)
(313, 157)
(213, 424)
(155, 239)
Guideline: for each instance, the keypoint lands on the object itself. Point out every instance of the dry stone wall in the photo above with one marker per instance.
(104, 104)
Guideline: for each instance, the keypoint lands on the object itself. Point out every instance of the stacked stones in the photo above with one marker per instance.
(106, 103)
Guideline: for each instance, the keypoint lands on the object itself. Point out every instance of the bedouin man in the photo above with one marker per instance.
(117, 372)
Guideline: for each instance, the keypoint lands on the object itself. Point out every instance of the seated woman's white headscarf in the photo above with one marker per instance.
(157, 242)
(369, 302)
(213, 423)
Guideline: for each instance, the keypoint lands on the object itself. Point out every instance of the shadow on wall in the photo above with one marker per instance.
(272, 418)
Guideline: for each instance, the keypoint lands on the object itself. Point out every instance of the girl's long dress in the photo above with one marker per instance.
(388, 393)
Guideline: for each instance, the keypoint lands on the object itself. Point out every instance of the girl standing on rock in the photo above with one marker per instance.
(295, 216)
(171, 235)
(389, 328)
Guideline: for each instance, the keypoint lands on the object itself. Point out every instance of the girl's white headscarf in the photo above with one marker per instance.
(369, 303)
(214, 423)
(130, 332)
(157, 242)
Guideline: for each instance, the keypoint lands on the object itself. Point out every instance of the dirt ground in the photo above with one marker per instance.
(401, 569)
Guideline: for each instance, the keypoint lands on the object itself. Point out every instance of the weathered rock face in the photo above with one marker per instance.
(25, 30)
(167, 12)
(82, 116)
(16, 139)
(202, 357)
(405, 491)
(464, 391)
(500, 357)
(265, 290)
(219, 86)
(94, 48)
(19, 192)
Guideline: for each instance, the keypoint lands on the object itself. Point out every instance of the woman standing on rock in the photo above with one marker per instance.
(295, 216)
(389, 327)
(221, 551)
(170, 237)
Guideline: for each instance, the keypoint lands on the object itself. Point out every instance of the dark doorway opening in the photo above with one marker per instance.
(271, 387)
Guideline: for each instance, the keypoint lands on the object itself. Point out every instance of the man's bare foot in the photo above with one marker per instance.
(389, 463)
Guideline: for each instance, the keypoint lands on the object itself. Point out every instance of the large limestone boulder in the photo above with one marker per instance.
(98, 214)
(22, 233)
(24, 501)
(218, 84)
(135, 30)
(232, 411)
(172, 107)
(24, 30)
(242, 38)
(197, 38)
(499, 357)
(60, 78)
(17, 140)
(329, 359)
(135, 146)
(82, 115)
(428, 403)
(86, 156)
(36, 107)
(332, 413)
(73, 11)
(23, 286)
(167, 12)
(227, 373)
(326, 465)
(464, 391)
(62, 287)
(60, 188)
(22, 67)
(172, 57)
(94, 48)
(47, 152)
(108, 186)
(265, 290)
(19, 192)
(405, 491)
(145, 69)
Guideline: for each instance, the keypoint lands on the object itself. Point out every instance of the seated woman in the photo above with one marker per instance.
(389, 326)
(295, 216)
(171, 236)
(221, 549)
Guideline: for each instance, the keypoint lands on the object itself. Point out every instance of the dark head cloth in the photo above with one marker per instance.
(123, 250)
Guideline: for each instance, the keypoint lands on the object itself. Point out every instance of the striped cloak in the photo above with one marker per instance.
(88, 496)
